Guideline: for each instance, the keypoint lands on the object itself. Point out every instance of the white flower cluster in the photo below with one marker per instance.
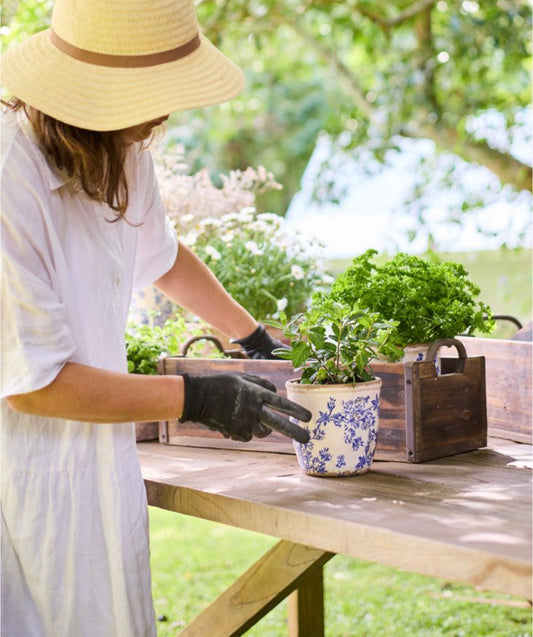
(263, 265)
(281, 269)
(191, 198)
(213, 253)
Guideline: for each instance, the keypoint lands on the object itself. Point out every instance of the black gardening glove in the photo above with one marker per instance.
(259, 344)
(241, 406)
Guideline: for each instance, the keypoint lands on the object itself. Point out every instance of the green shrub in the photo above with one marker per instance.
(429, 301)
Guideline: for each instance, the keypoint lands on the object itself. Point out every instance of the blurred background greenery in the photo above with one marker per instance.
(369, 73)
(366, 73)
(371, 69)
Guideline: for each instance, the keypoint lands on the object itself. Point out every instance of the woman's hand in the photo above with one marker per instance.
(241, 406)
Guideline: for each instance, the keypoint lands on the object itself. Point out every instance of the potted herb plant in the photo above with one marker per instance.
(428, 300)
(332, 343)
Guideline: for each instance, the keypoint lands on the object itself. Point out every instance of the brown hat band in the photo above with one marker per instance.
(125, 61)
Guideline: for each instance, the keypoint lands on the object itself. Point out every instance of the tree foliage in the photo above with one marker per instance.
(381, 68)
(373, 69)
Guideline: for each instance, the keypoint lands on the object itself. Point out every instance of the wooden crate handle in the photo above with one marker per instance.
(195, 339)
(232, 353)
(448, 342)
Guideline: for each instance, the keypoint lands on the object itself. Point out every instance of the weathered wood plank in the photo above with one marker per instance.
(146, 431)
(306, 606)
(447, 413)
(196, 434)
(392, 435)
(277, 371)
(509, 372)
(466, 518)
(274, 576)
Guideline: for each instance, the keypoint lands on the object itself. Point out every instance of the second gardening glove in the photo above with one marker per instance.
(241, 406)
(259, 344)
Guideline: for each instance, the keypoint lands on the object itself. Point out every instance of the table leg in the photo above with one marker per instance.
(306, 606)
(283, 569)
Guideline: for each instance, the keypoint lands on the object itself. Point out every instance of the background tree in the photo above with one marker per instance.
(377, 69)
(370, 69)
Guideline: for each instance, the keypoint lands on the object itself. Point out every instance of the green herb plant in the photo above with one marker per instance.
(146, 343)
(428, 301)
(334, 343)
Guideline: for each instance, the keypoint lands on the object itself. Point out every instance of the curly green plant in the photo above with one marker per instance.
(428, 301)
(145, 344)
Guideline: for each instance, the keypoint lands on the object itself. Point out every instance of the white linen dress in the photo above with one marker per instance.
(75, 552)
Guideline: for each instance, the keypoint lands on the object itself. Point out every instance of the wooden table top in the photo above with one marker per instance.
(465, 518)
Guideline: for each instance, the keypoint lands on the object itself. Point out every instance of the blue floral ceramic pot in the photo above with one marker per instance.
(343, 429)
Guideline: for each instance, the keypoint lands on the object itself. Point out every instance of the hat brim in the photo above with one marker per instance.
(107, 98)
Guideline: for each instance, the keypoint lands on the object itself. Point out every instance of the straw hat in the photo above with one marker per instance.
(111, 64)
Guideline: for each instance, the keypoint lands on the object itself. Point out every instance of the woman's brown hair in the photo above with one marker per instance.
(96, 159)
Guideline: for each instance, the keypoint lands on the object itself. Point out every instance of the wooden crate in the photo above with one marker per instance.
(509, 374)
(425, 415)
(196, 434)
(422, 416)
(145, 431)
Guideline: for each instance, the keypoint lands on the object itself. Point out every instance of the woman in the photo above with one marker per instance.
(82, 225)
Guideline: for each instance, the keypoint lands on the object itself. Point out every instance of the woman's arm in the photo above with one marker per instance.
(237, 405)
(192, 285)
(89, 394)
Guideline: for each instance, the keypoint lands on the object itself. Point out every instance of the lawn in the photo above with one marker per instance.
(194, 560)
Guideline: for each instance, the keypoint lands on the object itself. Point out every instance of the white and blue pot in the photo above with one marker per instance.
(343, 429)
(417, 353)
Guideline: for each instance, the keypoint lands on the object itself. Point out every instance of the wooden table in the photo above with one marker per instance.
(466, 518)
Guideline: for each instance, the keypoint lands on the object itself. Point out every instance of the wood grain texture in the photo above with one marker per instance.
(146, 431)
(306, 606)
(465, 518)
(274, 576)
(392, 434)
(509, 383)
(447, 413)
(277, 371)
(196, 434)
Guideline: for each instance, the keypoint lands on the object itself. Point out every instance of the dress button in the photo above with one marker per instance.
(117, 281)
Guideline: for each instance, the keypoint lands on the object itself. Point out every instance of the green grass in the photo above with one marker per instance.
(194, 560)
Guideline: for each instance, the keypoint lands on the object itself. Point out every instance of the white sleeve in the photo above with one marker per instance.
(157, 244)
(36, 340)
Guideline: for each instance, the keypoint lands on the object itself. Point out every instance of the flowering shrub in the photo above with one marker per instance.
(190, 198)
(264, 267)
